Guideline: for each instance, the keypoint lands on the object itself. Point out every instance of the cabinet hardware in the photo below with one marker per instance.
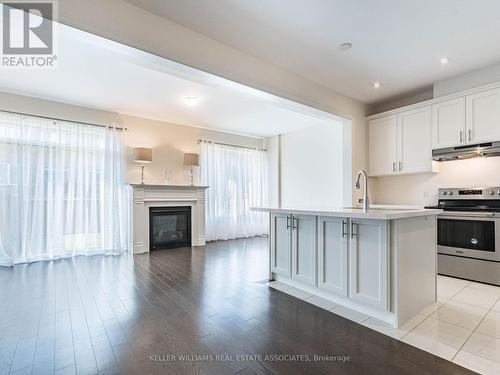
(470, 134)
(400, 166)
(344, 233)
(394, 166)
(295, 223)
(288, 222)
(353, 225)
(461, 136)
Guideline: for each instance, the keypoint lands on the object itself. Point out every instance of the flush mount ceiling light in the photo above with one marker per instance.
(190, 100)
(345, 46)
(444, 60)
(376, 85)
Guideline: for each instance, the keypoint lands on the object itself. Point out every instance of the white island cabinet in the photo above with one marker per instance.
(381, 263)
(293, 249)
(332, 255)
(369, 265)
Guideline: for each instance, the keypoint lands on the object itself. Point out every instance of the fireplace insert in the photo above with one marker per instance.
(169, 227)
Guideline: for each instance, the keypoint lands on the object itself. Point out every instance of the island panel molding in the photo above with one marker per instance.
(146, 196)
(381, 263)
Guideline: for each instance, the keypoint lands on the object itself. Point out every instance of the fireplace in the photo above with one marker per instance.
(169, 227)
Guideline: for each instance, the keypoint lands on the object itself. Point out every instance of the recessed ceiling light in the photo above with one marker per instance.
(345, 46)
(190, 100)
(444, 60)
(376, 85)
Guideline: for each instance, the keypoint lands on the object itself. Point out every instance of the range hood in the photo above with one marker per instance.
(467, 152)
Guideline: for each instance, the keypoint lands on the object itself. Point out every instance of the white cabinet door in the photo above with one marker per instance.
(332, 255)
(448, 123)
(369, 262)
(382, 140)
(414, 141)
(281, 244)
(483, 116)
(304, 238)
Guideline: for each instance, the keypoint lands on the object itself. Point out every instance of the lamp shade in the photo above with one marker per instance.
(143, 155)
(192, 160)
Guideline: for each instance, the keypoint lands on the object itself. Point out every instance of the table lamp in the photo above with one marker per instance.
(143, 156)
(191, 160)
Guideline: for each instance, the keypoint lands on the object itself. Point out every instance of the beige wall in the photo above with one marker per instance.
(169, 141)
(120, 21)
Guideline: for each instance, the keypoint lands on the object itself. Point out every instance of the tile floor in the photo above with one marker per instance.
(463, 326)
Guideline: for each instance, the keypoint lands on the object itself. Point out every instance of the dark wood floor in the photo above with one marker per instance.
(182, 311)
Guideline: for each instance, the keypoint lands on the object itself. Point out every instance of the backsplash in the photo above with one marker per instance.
(421, 189)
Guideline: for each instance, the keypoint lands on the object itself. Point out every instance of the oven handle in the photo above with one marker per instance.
(468, 214)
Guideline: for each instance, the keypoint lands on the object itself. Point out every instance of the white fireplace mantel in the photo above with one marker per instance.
(146, 196)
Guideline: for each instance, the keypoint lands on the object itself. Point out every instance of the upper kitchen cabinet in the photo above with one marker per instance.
(414, 143)
(401, 143)
(448, 123)
(382, 136)
(483, 116)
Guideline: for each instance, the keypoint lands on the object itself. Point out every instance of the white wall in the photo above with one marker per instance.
(475, 78)
(125, 23)
(421, 189)
(273, 158)
(312, 174)
(168, 141)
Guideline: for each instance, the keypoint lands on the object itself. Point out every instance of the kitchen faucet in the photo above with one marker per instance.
(366, 204)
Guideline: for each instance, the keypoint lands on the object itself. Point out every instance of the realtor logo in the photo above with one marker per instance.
(28, 34)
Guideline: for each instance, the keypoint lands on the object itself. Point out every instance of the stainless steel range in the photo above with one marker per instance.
(469, 233)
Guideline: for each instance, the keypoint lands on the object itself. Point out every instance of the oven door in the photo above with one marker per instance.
(469, 234)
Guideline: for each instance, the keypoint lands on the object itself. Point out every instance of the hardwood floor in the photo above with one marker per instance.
(182, 311)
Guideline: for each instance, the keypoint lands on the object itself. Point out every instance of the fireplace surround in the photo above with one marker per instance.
(145, 197)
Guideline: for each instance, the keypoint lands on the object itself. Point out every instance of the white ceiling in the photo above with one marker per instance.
(398, 43)
(101, 74)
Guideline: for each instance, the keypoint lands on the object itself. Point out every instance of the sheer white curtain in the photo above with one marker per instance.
(237, 180)
(62, 190)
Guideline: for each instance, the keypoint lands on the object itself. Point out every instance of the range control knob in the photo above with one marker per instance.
(445, 193)
(498, 192)
(450, 193)
(492, 192)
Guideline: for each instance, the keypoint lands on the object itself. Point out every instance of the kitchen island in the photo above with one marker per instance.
(381, 262)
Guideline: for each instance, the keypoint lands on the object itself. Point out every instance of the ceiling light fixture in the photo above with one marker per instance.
(345, 46)
(376, 85)
(190, 100)
(444, 60)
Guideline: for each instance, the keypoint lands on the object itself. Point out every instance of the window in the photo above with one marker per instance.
(237, 180)
(62, 190)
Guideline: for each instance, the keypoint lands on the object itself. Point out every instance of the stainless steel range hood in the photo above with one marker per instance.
(467, 152)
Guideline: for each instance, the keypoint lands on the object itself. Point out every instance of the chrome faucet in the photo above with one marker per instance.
(366, 204)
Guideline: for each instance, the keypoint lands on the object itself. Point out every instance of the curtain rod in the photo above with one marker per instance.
(61, 119)
(230, 145)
